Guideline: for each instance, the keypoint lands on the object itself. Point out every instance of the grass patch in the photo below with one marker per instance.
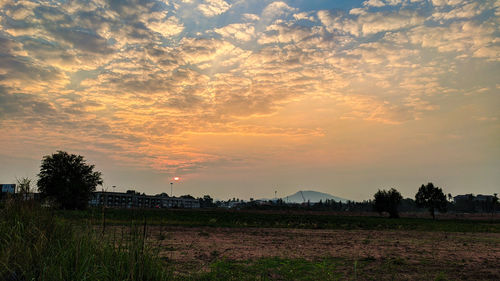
(273, 269)
(230, 218)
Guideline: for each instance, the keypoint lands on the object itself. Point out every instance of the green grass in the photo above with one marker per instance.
(34, 245)
(272, 269)
(229, 218)
(297, 269)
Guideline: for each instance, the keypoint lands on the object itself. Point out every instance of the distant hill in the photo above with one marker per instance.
(312, 196)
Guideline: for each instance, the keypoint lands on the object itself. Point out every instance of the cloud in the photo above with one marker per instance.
(370, 23)
(372, 109)
(358, 11)
(165, 26)
(212, 8)
(374, 3)
(379, 22)
(197, 50)
(468, 10)
(82, 39)
(486, 118)
(467, 38)
(336, 22)
(251, 17)
(21, 10)
(447, 2)
(23, 73)
(303, 16)
(489, 52)
(52, 54)
(19, 105)
(238, 31)
(276, 9)
(284, 34)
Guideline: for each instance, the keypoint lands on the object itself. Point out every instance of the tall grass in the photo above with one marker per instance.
(35, 245)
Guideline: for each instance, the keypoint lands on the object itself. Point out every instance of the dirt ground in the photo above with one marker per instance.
(462, 256)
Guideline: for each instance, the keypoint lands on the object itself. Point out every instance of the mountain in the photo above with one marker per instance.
(312, 196)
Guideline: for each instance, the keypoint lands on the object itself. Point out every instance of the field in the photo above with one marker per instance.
(379, 254)
(273, 245)
(245, 245)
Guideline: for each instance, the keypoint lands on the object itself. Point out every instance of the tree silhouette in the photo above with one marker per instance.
(431, 197)
(24, 185)
(67, 179)
(495, 202)
(450, 198)
(387, 201)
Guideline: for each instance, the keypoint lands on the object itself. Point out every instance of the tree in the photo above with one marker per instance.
(431, 197)
(67, 179)
(387, 201)
(24, 185)
(450, 198)
(490, 203)
(495, 202)
(206, 202)
(187, 196)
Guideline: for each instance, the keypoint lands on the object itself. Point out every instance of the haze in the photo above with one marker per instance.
(242, 98)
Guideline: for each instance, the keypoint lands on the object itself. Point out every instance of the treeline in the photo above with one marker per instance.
(407, 205)
(429, 198)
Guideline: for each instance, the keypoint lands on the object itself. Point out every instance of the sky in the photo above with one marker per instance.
(241, 98)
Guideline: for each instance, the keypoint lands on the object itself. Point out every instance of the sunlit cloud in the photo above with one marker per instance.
(212, 8)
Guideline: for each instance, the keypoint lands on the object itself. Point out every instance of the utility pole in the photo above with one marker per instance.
(172, 185)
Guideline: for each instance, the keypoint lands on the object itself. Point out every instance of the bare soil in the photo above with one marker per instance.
(405, 255)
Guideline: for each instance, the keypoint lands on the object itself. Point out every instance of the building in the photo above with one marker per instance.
(465, 197)
(133, 199)
(485, 198)
(471, 197)
(8, 188)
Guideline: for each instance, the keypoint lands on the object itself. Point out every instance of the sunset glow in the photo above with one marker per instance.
(239, 97)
